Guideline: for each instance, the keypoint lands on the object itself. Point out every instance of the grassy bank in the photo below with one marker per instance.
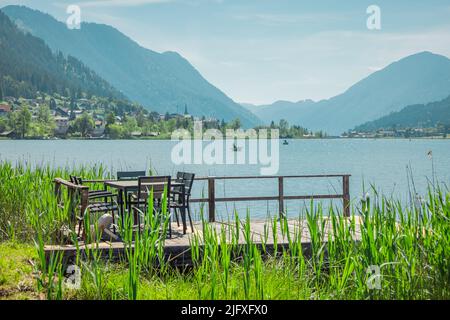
(409, 246)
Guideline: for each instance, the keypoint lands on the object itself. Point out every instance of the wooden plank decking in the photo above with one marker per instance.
(177, 249)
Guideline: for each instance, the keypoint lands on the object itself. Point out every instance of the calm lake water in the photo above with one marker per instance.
(379, 162)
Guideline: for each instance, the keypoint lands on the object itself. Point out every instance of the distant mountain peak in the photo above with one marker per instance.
(424, 54)
(423, 57)
(172, 53)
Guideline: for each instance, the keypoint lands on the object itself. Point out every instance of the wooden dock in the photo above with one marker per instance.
(177, 249)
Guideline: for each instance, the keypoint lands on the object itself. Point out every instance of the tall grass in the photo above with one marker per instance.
(27, 195)
(409, 245)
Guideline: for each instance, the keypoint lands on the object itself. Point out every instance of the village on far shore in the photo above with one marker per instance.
(59, 117)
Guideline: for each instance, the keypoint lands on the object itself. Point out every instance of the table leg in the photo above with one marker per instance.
(183, 210)
(120, 198)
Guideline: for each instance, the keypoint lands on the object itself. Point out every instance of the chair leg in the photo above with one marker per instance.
(176, 216)
(183, 218)
(190, 217)
(80, 224)
(113, 221)
(170, 226)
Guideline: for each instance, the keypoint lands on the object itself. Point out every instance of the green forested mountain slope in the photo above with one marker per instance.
(414, 116)
(27, 65)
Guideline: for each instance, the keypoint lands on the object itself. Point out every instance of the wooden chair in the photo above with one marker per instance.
(92, 193)
(178, 201)
(82, 201)
(107, 205)
(130, 175)
(173, 194)
(159, 185)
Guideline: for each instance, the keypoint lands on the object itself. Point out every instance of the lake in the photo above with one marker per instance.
(382, 163)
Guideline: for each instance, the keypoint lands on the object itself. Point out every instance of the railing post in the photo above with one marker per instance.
(212, 199)
(84, 201)
(84, 204)
(346, 195)
(281, 197)
(58, 191)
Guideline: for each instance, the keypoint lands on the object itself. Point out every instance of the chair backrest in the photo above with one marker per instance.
(76, 180)
(180, 176)
(156, 183)
(188, 179)
(130, 175)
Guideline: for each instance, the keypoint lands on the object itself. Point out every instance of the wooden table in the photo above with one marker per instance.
(125, 186)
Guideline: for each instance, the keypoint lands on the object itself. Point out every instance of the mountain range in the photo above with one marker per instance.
(417, 79)
(163, 82)
(414, 116)
(280, 109)
(46, 55)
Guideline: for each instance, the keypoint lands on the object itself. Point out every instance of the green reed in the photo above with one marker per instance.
(409, 245)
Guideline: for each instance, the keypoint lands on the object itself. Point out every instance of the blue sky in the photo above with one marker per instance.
(260, 51)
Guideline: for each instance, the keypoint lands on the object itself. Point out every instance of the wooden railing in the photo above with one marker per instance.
(280, 197)
(74, 191)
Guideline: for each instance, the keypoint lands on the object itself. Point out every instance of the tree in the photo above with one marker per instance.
(1, 93)
(110, 118)
(186, 110)
(44, 114)
(84, 124)
(72, 108)
(130, 126)
(235, 124)
(3, 125)
(154, 116)
(52, 104)
(284, 128)
(23, 120)
(141, 118)
(115, 131)
(45, 123)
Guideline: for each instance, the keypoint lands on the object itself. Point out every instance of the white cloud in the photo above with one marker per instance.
(120, 3)
(269, 19)
(135, 3)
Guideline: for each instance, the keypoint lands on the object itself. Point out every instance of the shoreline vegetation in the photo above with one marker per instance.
(84, 116)
(407, 243)
(447, 137)
(81, 116)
